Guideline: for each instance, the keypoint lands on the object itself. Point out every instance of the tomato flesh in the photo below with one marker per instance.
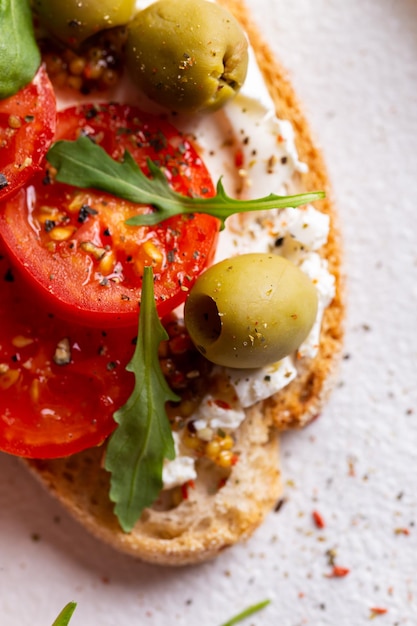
(60, 382)
(27, 127)
(74, 245)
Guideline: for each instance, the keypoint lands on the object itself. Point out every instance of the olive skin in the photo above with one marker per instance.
(251, 310)
(73, 21)
(188, 55)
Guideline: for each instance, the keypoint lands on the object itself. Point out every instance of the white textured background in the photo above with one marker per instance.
(354, 64)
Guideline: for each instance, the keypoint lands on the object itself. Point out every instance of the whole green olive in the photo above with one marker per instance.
(251, 310)
(73, 21)
(188, 55)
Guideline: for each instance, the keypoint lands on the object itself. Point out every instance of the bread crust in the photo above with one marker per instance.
(211, 519)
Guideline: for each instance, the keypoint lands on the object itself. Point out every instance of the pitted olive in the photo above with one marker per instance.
(187, 56)
(251, 310)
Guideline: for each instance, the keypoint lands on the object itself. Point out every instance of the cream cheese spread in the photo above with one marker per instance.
(269, 163)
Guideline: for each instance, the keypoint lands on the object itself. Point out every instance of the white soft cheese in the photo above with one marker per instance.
(180, 470)
(251, 386)
(316, 269)
(214, 414)
(307, 226)
(254, 385)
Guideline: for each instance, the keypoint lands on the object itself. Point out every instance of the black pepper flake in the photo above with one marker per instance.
(29, 118)
(279, 505)
(93, 112)
(284, 159)
(84, 212)
(158, 142)
(106, 232)
(279, 242)
(49, 225)
(3, 181)
(46, 180)
(171, 256)
(111, 365)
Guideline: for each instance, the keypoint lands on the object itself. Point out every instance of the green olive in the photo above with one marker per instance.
(188, 55)
(73, 21)
(251, 310)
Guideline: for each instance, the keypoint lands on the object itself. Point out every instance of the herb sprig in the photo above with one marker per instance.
(83, 163)
(143, 439)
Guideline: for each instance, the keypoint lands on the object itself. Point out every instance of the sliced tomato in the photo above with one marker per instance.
(60, 383)
(74, 244)
(27, 127)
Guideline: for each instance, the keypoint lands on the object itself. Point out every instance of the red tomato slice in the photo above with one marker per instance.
(60, 383)
(74, 243)
(27, 127)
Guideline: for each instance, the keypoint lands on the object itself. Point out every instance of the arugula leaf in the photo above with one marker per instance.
(143, 438)
(85, 164)
(65, 615)
(247, 613)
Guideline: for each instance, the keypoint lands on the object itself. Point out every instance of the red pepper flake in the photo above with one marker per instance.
(239, 158)
(185, 487)
(222, 404)
(402, 531)
(318, 519)
(377, 610)
(338, 572)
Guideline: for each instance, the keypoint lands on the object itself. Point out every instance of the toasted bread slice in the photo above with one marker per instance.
(212, 518)
(209, 520)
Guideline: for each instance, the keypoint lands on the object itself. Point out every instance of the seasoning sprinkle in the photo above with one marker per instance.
(318, 519)
(338, 572)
